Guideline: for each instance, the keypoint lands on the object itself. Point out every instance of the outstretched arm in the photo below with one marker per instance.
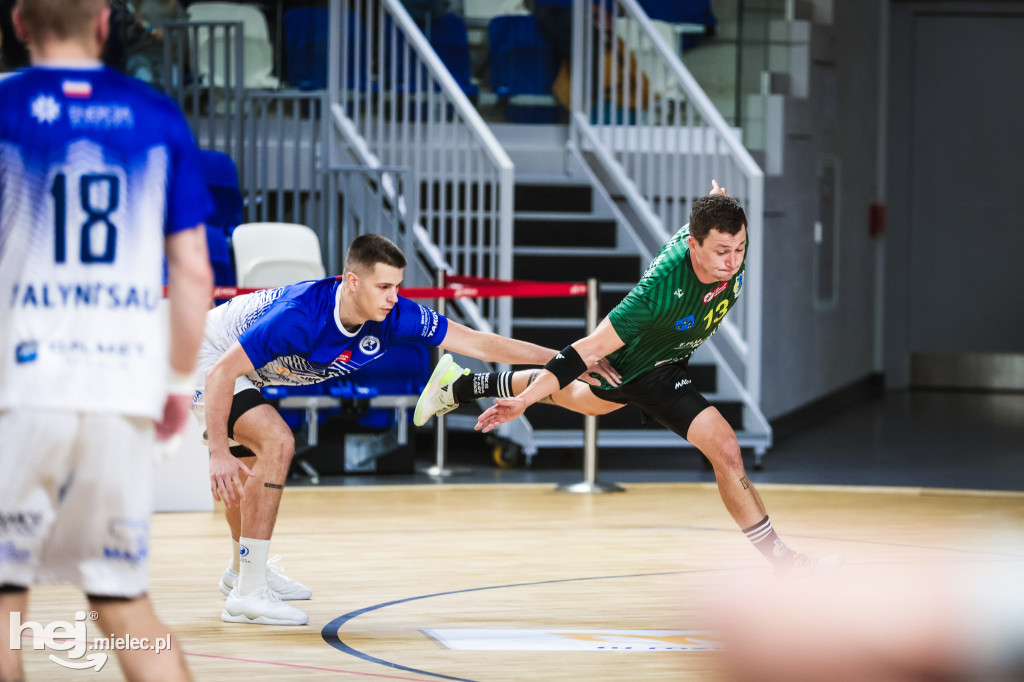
(600, 343)
(495, 348)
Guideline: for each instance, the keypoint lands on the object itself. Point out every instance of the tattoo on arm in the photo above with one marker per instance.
(532, 377)
(745, 483)
(275, 486)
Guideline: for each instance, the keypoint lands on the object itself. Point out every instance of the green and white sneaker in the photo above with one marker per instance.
(438, 397)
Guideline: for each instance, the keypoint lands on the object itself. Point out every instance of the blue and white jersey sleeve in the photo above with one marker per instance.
(418, 323)
(283, 330)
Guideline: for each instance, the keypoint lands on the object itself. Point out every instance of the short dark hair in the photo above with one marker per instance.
(716, 212)
(369, 249)
(62, 19)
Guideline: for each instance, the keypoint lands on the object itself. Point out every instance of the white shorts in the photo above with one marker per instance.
(76, 497)
(208, 357)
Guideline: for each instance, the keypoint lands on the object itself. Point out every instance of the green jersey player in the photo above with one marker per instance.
(648, 339)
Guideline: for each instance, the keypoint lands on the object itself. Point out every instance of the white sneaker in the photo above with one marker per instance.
(260, 607)
(438, 397)
(814, 566)
(283, 586)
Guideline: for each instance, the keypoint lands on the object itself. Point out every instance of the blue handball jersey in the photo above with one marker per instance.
(96, 169)
(293, 334)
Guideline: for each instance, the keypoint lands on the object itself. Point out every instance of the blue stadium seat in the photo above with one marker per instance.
(403, 370)
(682, 12)
(522, 63)
(306, 47)
(222, 182)
(306, 42)
(449, 39)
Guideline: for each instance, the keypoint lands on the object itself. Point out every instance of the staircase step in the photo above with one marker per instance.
(454, 195)
(570, 230)
(558, 268)
(554, 198)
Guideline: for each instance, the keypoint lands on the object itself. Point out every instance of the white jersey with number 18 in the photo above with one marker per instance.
(95, 170)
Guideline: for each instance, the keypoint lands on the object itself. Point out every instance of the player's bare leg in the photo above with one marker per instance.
(263, 431)
(12, 600)
(713, 436)
(253, 599)
(135, 618)
(577, 396)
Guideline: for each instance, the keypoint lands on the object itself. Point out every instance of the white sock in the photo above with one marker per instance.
(234, 554)
(252, 564)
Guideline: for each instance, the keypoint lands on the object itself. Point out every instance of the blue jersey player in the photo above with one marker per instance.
(301, 334)
(99, 180)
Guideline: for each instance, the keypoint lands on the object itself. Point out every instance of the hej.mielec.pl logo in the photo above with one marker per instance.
(72, 638)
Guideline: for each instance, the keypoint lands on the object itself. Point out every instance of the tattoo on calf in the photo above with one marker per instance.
(275, 486)
(745, 483)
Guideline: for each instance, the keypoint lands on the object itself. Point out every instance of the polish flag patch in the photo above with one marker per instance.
(77, 89)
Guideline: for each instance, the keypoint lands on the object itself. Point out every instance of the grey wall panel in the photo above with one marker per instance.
(812, 351)
(956, 181)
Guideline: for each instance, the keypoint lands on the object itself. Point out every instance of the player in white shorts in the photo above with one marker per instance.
(303, 334)
(99, 178)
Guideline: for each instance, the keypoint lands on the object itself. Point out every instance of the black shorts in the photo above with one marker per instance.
(665, 393)
(242, 403)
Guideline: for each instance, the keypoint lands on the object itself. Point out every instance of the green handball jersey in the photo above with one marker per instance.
(670, 312)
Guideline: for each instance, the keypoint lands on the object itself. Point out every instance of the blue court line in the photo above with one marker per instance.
(330, 631)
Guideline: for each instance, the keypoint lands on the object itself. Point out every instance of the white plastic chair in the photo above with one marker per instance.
(257, 48)
(276, 254)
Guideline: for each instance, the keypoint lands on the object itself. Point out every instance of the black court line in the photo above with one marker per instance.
(330, 631)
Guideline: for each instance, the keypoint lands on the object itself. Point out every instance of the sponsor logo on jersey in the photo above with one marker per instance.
(101, 116)
(344, 357)
(20, 523)
(10, 553)
(689, 344)
(684, 324)
(678, 293)
(369, 345)
(26, 351)
(654, 264)
(708, 297)
(130, 541)
(77, 89)
(681, 383)
(45, 109)
(84, 295)
(739, 285)
(428, 322)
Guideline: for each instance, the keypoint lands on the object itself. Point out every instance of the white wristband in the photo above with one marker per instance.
(180, 383)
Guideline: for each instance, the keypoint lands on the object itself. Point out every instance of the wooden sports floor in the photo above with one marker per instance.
(631, 577)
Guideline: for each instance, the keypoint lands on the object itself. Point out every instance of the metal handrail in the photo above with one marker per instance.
(661, 149)
(393, 102)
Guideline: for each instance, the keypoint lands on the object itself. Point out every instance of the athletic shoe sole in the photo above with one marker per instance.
(433, 384)
(259, 620)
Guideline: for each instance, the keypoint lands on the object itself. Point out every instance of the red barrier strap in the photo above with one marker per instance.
(460, 286)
